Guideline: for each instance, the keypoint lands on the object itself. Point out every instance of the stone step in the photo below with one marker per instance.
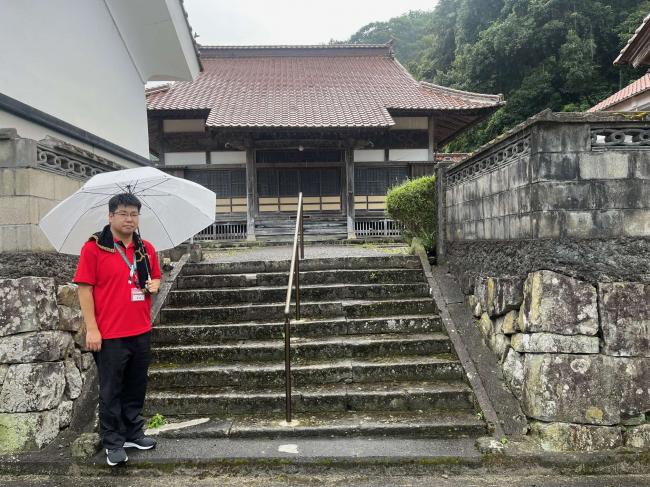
(338, 276)
(188, 334)
(322, 292)
(275, 311)
(386, 396)
(425, 424)
(249, 267)
(307, 372)
(307, 348)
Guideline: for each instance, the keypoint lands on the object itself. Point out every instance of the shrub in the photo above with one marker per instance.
(413, 204)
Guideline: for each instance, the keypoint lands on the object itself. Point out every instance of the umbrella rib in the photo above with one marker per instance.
(171, 240)
(92, 192)
(154, 185)
(77, 220)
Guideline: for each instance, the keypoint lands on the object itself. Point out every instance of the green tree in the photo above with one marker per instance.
(539, 54)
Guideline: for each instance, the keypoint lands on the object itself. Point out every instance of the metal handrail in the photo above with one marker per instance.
(294, 276)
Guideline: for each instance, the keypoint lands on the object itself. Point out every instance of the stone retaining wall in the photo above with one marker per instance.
(47, 382)
(576, 355)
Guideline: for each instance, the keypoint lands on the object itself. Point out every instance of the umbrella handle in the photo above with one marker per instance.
(146, 258)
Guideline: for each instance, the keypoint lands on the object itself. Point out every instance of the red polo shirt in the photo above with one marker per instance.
(116, 314)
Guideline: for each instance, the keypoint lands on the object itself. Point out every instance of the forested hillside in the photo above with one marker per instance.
(540, 54)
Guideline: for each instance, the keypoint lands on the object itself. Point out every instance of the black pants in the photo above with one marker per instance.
(122, 365)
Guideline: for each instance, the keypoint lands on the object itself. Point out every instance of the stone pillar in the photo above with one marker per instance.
(349, 192)
(441, 231)
(27, 193)
(251, 204)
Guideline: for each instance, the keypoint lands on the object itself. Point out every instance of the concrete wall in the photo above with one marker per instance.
(69, 61)
(549, 180)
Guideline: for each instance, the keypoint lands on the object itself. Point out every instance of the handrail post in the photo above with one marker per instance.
(302, 232)
(287, 366)
(297, 278)
(294, 280)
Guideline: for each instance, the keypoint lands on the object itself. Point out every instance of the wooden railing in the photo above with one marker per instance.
(233, 230)
(294, 280)
(377, 227)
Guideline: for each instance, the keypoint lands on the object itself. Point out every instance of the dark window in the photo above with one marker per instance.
(267, 183)
(289, 182)
(378, 180)
(226, 183)
(330, 182)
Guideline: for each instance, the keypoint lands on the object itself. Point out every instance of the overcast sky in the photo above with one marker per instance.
(242, 22)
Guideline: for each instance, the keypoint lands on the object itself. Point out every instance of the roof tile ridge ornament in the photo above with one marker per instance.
(158, 89)
(498, 98)
(234, 51)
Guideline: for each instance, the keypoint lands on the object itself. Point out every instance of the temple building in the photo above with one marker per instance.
(339, 123)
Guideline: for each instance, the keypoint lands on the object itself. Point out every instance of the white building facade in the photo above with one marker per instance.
(72, 97)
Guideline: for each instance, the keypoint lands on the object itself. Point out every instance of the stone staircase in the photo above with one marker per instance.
(369, 357)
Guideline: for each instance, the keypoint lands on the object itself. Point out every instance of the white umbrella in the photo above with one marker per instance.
(173, 209)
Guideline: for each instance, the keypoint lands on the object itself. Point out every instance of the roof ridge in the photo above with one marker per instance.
(307, 50)
(295, 46)
(469, 94)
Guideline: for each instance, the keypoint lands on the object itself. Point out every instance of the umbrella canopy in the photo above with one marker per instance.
(173, 209)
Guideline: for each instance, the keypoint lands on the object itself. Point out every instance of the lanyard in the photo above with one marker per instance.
(132, 266)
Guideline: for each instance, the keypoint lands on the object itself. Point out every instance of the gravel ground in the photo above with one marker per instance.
(311, 252)
(338, 480)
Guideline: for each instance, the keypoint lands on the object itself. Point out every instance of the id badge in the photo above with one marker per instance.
(137, 294)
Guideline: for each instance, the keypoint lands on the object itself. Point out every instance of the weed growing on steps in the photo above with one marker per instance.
(156, 421)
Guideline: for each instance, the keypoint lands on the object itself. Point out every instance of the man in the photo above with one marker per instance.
(117, 274)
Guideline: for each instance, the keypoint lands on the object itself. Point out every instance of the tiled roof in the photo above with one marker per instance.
(451, 156)
(309, 86)
(639, 86)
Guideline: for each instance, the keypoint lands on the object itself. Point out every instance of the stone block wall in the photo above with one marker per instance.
(575, 354)
(47, 382)
(548, 230)
(556, 176)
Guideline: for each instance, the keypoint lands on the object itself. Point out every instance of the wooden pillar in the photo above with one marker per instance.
(349, 192)
(161, 143)
(432, 140)
(251, 190)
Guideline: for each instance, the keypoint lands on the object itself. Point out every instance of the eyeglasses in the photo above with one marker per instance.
(123, 214)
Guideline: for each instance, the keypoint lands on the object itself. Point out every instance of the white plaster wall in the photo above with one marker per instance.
(66, 58)
(408, 154)
(184, 158)
(410, 123)
(228, 157)
(368, 155)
